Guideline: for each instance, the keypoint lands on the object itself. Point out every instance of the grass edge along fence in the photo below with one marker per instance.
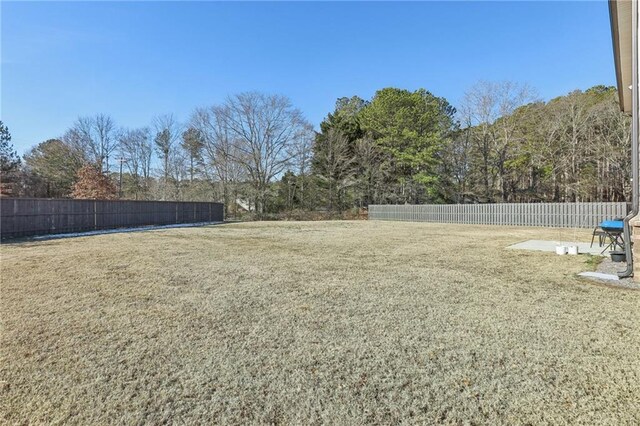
(551, 215)
(24, 217)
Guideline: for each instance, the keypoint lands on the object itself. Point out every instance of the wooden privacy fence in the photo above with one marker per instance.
(555, 215)
(22, 217)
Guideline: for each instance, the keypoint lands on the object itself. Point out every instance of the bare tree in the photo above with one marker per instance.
(262, 129)
(334, 166)
(219, 153)
(178, 172)
(95, 137)
(105, 133)
(167, 133)
(479, 109)
(136, 148)
(509, 96)
(457, 160)
(488, 106)
(571, 116)
(610, 136)
(372, 171)
(302, 155)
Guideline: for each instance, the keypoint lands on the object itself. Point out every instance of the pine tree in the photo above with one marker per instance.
(193, 144)
(9, 162)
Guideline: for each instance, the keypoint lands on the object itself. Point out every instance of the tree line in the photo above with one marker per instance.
(501, 145)
(257, 153)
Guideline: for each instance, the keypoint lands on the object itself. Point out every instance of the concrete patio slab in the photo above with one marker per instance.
(550, 246)
(599, 276)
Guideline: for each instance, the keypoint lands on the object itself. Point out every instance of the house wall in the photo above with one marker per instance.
(636, 248)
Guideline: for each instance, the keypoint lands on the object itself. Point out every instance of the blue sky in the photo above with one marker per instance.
(135, 60)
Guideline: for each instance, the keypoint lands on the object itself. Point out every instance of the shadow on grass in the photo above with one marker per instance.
(32, 240)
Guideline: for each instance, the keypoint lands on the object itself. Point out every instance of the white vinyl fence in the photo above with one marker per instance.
(555, 215)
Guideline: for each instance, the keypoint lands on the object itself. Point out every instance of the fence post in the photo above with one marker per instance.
(176, 213)
(95, 215)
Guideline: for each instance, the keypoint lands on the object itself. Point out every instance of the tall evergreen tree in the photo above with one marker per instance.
(412, 129)
(55, 164)
(193, 143)
(9, 160)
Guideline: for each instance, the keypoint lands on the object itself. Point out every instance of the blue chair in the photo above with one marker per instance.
(612, 231)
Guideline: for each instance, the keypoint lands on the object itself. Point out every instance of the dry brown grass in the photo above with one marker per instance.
(317, 322)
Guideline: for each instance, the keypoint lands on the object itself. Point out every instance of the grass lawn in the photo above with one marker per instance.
(313, 322)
